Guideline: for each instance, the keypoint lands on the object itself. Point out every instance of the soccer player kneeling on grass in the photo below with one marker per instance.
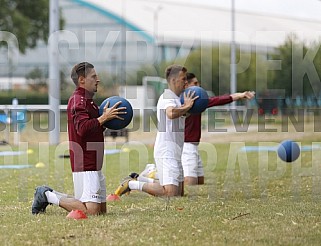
(191, 160)
(86, 147)
(169, 140)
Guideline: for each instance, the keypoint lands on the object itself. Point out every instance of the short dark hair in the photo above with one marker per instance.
(173, 70)
(190, 76)
(80, 69)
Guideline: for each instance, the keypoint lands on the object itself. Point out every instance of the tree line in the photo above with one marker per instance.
(291, 70)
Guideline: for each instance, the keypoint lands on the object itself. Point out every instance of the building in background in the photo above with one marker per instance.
(119, 36)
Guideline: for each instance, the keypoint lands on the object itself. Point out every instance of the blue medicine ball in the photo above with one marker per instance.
(201, 103)
(288, 151)
(117, 124)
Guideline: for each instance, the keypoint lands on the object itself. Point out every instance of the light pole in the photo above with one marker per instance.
(155, 12)
(233, 67)
(123, 45)
(54, 76)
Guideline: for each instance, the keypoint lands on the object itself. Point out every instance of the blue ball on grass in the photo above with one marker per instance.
(288, 151)
(117, 124)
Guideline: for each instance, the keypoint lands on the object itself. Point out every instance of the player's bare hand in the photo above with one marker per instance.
(113, 112)
(249, 94)
(243, 95)
(189, 98)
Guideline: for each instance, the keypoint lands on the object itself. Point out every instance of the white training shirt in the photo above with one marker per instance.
(170, 135)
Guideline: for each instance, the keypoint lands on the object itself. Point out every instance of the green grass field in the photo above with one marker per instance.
(249, 199)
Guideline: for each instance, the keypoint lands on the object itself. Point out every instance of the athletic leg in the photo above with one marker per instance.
(170, 181)
(90, 189)
(190, 163)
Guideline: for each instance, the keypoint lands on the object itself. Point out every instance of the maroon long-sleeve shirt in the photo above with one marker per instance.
(86, 138)
(193, 122)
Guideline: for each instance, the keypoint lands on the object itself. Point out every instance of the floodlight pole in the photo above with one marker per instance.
(233, 67)
(54, 78)
(156, 36)
(123, 46)
(155, 12)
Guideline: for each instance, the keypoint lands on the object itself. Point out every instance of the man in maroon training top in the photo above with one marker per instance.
(86, 146)
(191, 161)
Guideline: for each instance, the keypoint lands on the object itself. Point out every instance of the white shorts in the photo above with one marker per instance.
(191, 161)
(170, 171)
(90, 186)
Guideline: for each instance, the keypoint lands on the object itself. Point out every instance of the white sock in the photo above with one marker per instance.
(60, 195)
(52, 197)
(145, 179)
(136, 185)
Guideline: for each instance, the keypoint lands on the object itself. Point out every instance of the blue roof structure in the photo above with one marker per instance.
(116, 18)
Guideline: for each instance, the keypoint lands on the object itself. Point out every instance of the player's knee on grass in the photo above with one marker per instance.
(194, 180)
(171, 190)
(93, 208)
(188, 180)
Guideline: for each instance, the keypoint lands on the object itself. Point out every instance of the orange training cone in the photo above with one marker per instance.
(77, 215)
(113, 198)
